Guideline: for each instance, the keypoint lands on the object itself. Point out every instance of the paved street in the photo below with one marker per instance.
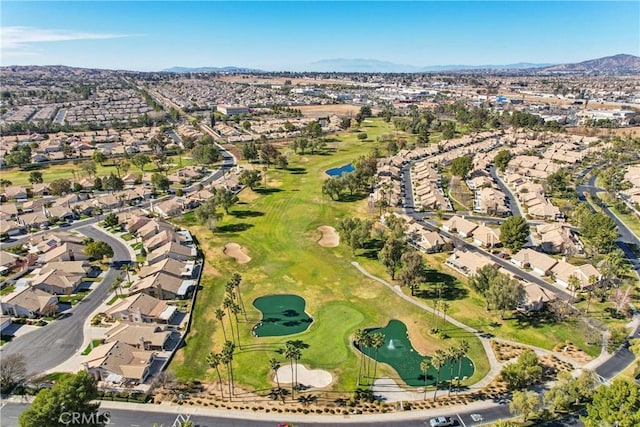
(51, 345)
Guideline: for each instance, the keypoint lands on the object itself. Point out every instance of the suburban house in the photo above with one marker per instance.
(160, 239)
(431, 241)
(563, 271)
(66, 252)
(172, 250)
(29, 302)
(52, 241)
(169, 266)
(467, 263)
(8, 262)
(151, 228)
(169, 208)
(57, 282)
(536, 298)
(142, 308)
(557, 238)
(486, 237)
(11, 227)
(34, 220)
(163, 286)
(459, 224)
(540, 263)
(140, 336)
(119, 363)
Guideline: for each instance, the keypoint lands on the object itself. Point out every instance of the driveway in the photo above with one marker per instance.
(51, 345)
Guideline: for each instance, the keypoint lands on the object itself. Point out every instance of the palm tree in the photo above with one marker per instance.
(235, 309)
(236, 279)
(574, 285)
(230, 288)
(220, 315)
(463, 349)
(452, 355)
(593, 282)
(227, 303)
(358, 339)
(424, 367)
(437, 361)
(445, 308)
(368, 344)
(292, 352)
(274, 364)
(377, 341)
(214, 360)
(227, 358)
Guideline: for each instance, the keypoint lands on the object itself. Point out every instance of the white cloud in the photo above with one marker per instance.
(21, 40)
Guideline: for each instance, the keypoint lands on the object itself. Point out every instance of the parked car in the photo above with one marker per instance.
(441, 422)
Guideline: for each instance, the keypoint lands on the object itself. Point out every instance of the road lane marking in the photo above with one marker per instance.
(462, 422)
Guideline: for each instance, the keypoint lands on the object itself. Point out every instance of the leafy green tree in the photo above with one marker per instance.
(140, 160)
(121, 165)
(98, 157)
(313, 130)
(111, 220)
(60, 186)
(268, 153)
(333, 187)
(160, 182)
(18, 155)
(365, 111)
(249, 178)
(524, 372)
(226, 198)
(481, 280)
(71, 394)
(362, 136)
(600, 231)
(113, 183)
(391, 255)
(89, 168)
(35, 177)
(615, 405)
(250, 151)
(504, 293)
(354, 232)
(461, 166)
(97, 184)
(98, 250)
(568, 391)
(524, 403)
(514, 233)
(558, 183)
(502, 159)
(205, 154)
(413, 271)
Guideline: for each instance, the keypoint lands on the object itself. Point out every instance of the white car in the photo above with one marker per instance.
(441, 422)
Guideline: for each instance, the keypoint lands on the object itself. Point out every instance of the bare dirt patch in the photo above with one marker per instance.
(329, 238)
(237, 252)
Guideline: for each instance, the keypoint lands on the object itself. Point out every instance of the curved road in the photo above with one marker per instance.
(51, 345)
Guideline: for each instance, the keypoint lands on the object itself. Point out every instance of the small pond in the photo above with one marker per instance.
(281, 315)
(341, 170)
(398, 353)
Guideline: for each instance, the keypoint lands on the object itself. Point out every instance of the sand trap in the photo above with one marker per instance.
(237, 252)
(330, 237)
(306, 377)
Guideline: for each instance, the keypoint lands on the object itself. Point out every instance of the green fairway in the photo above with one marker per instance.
(278, 227)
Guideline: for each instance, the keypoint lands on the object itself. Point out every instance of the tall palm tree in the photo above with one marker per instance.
(227, 303)
(445, 308)
(368, 345)
(437, 361)
(451, 354)
(235, 309)
(220, 315)
(230, 288)
(424, 367)
(358, 339)
(214, 360)
(227, 358)
(236, 279)
(292, 352)
(274, 364)
(463, 349)
(377, 341)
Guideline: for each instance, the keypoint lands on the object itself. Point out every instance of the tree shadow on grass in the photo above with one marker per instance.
(297, 171)
(371, 248)
(246, 214)
(267, 190)
(234, 228)
(351, 197)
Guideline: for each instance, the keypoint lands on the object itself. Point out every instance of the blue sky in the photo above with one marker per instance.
(149, 35)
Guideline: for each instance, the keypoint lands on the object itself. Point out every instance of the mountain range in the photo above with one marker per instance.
(621, 63)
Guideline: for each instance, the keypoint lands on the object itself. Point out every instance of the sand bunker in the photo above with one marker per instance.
(237, 252)
(330, 237)
(306, 377)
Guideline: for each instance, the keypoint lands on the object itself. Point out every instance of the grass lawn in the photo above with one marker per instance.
(73, 299)
(278, 227)
(630, 220)
(91, 346)
(7, 290)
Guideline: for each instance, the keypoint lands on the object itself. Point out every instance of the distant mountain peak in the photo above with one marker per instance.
(620, 63)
